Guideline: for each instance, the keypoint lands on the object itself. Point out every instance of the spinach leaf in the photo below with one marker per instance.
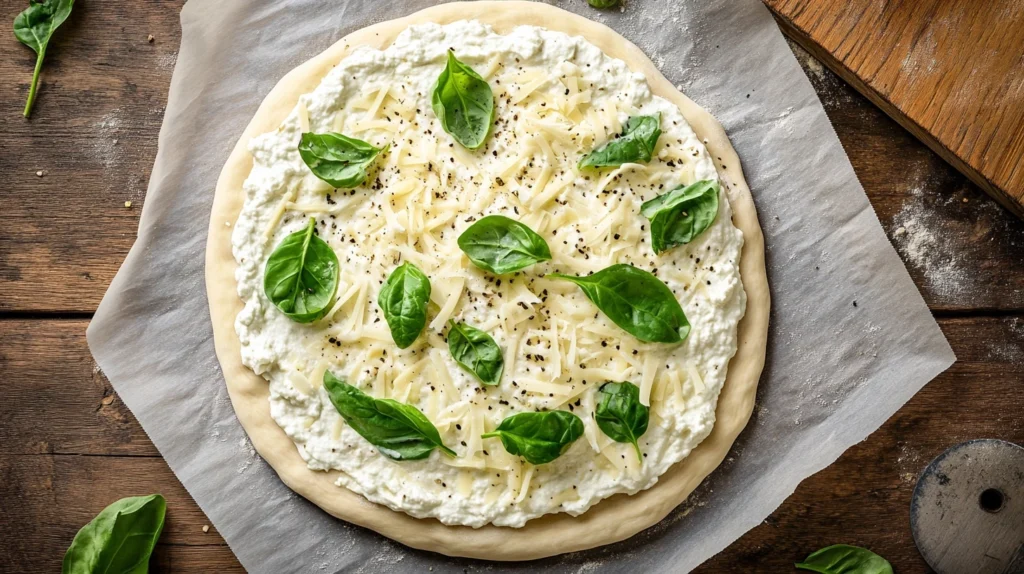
(339, 160)
(34, 27)
(620, 415)
(403, 298)
(844, 559)
(680, 215)
(463, 101)
(120, 538)
(475, 351)
(602, 3)
(636, 301)
(501, 245)
(301, 276)
(635, 144)
(538, 437)
(399, 431)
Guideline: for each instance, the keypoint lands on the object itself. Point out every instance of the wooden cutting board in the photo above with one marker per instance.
(950, 71)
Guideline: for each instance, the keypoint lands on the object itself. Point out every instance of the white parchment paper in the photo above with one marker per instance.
(836, 370)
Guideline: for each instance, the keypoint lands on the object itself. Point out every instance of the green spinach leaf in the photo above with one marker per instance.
(301, 276)
(844, 559)
(120, 539)
(501, 245)
(475, 351)
(620, 415)
(403, 298)
(602, 3)
(635, 144)
(680, 215)
(399, 431)
(538, 437)
(34, 27)
(464, 103)
(339, 160)
(636, 301)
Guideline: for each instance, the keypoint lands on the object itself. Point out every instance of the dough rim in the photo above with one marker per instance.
(611, 520)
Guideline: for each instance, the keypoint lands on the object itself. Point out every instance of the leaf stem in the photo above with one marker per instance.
(35, 81)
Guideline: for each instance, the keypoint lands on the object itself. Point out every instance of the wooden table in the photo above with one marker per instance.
(69, 446)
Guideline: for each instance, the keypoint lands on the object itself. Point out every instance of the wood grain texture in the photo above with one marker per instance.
(949, 71)
(93, 134)
(69, 446)
(963, 251)
(49, 375)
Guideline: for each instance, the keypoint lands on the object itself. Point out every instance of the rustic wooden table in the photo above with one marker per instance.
(69, 446)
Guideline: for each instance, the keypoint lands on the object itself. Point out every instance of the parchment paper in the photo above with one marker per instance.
(836, 371)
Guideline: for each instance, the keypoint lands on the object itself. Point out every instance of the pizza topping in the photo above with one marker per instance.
(620, 415)
(339, 160)
(538, 437)
(399, 431)
(463, 103)
(635, 300)
(301, 276)
(682, 214)
(501, 245)
(634, 145)
(475, 351)
(403, 298)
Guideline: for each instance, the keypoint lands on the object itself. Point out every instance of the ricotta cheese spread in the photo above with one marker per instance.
(556, 98)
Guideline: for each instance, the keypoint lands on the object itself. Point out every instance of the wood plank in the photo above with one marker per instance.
(47, 498)
(56, 399)
(862, 499)
(962, 249)
(93, 133)
(950, 72)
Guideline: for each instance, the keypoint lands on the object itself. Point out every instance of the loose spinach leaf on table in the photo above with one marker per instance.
(538, 437)
(464, 103)
(635, 144)
(501, 245)
(636, 301)
(621, 415)
(680, 215)
(845, 559)
(120, 539)
(301, 276)
(339, 160)
(403, 298)
(602, 3)
(475, 351)
(34, 27)
(399, 431)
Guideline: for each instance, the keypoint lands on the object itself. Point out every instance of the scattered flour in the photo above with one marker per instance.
(167, 61)
(388, 555)
(249, 452)
(933, 255)
(1010, 351)
(909, 462)
(106, 149)
(811, 64)
(112, 150)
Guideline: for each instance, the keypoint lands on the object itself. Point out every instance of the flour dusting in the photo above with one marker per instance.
(919, 240)
(106, 149)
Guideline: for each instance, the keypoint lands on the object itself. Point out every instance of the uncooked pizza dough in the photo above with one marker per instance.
(615, 518)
